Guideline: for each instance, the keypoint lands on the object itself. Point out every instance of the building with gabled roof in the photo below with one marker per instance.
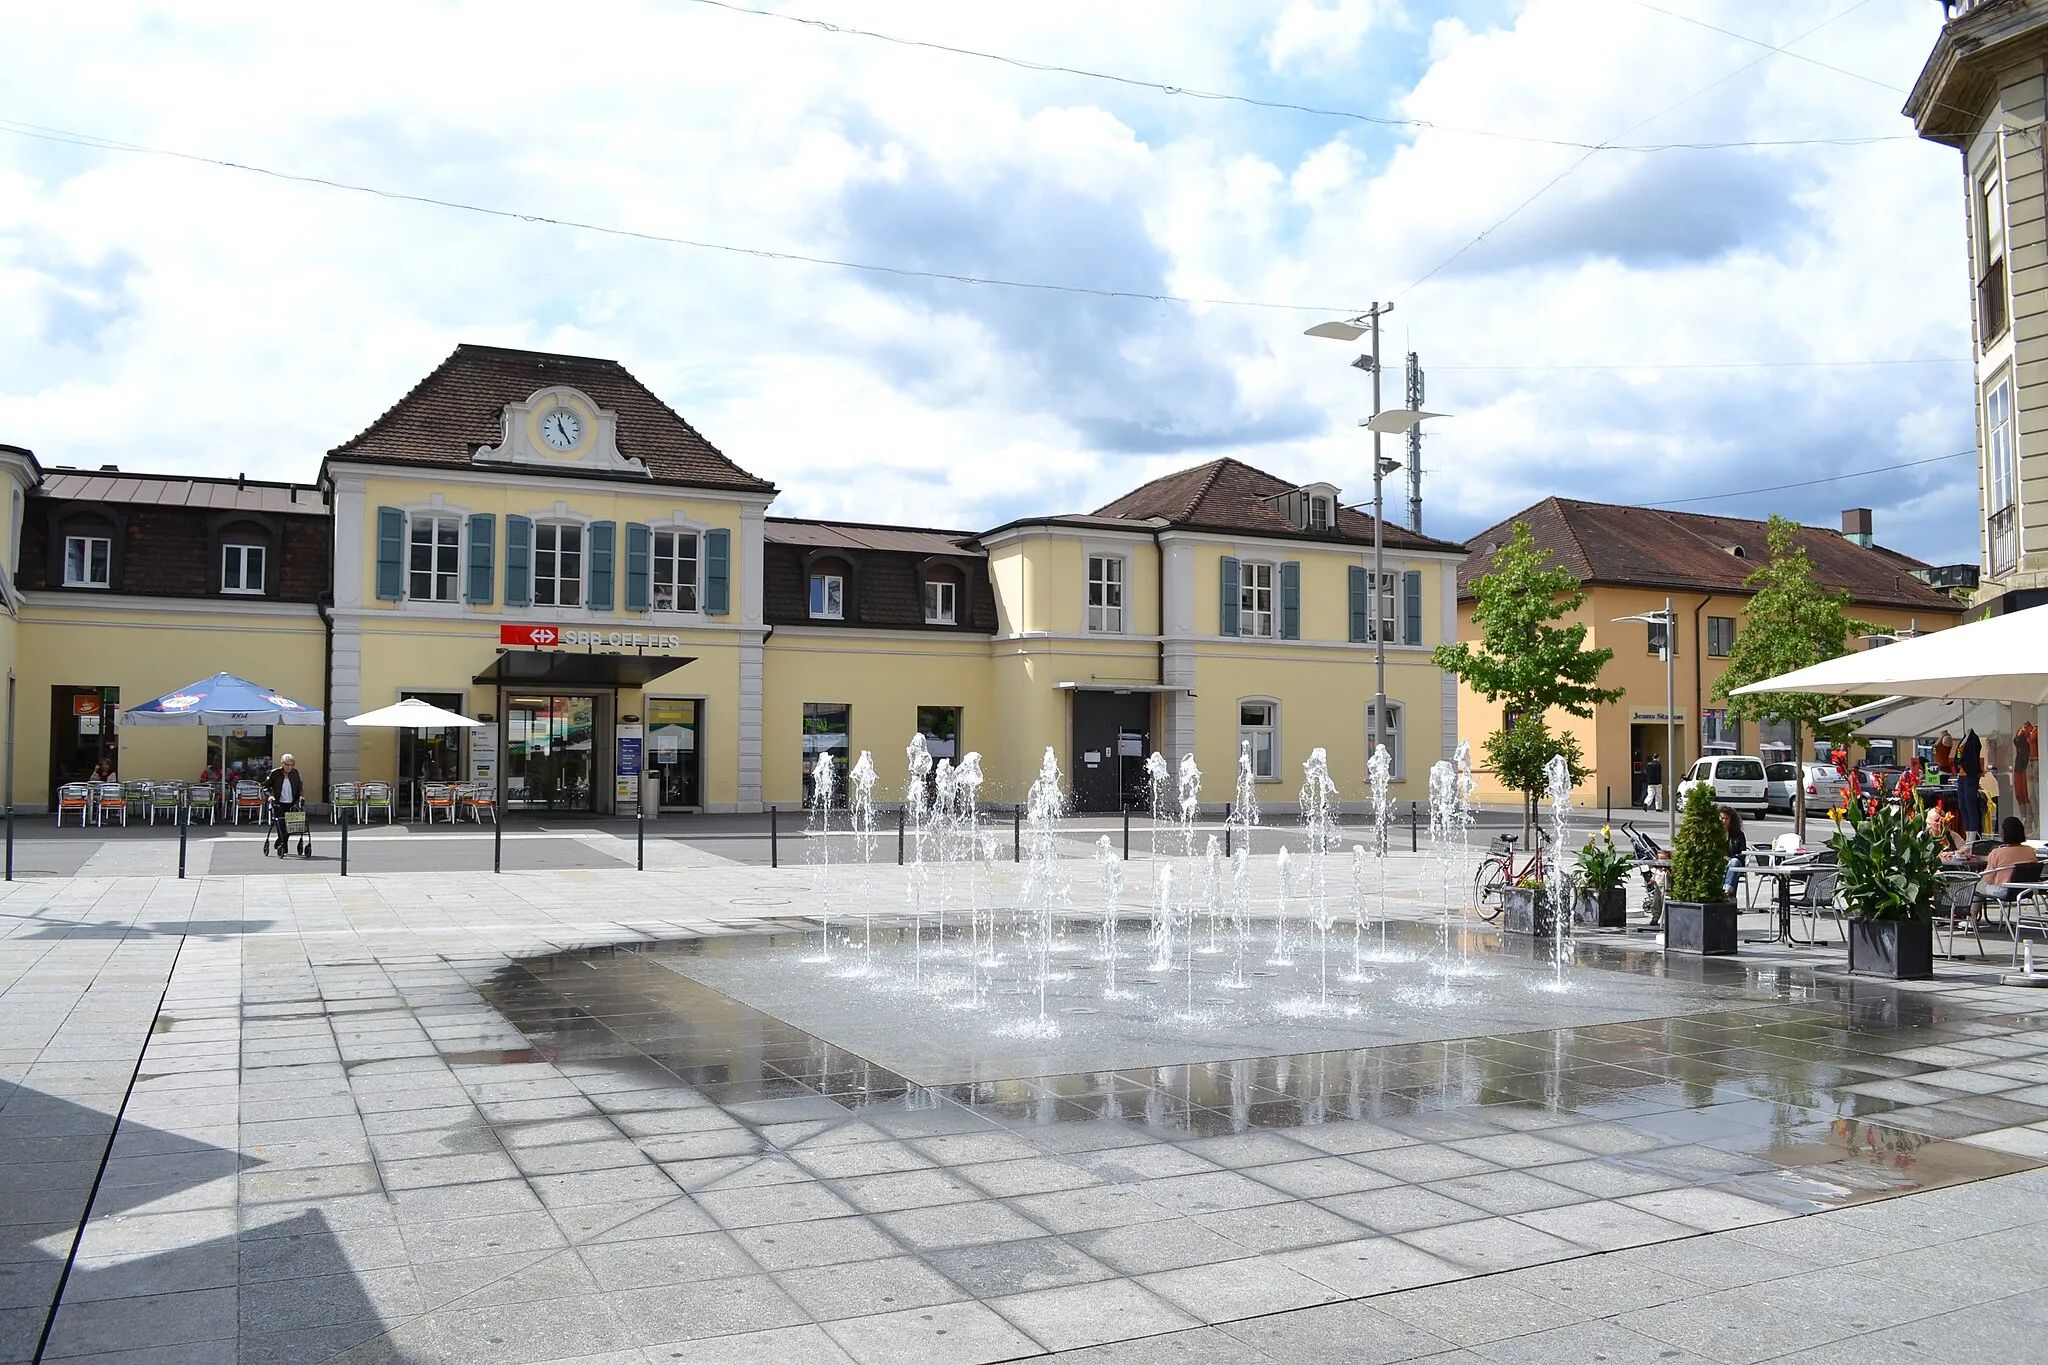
(1630, 560)
(540, 542)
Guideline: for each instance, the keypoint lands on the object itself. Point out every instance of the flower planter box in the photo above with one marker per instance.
(1528, 911)
(1900, 949)
(1703, 927)
(1601, 909)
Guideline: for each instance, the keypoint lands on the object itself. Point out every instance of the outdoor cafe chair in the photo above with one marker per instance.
(1818, 898)
(166, 799)
(202, 796)
(372, 797)
(109, 798)
(439, 798)
(250, 797)
(74, 796)
(2027, 912)
(1957, 910)
(478, 798)
(343, 803)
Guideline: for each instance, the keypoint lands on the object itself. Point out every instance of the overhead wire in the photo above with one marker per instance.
(1809, 483)
(1288, 106)
(1548, 185)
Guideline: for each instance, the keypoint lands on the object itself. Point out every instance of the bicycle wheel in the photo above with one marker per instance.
(1487, 885)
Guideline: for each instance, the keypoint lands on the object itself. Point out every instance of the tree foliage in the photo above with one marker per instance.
(1524, 659)
(1791, 623)
(1699, 855)
(1519, 755)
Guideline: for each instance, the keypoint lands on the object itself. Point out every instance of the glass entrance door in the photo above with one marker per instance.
(549, 747)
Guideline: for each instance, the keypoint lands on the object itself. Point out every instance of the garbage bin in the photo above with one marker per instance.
(650, 793)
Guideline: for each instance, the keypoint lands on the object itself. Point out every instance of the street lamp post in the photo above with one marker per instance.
(1668, 620)
(1397, 422)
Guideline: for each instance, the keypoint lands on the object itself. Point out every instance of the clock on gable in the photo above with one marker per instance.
(559, 428)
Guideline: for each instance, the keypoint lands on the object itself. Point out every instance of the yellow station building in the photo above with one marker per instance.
(541, 543)
(1630, 561)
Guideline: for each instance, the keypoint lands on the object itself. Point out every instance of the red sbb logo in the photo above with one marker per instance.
(529, 635)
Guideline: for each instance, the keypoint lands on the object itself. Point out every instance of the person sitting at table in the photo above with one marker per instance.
(103, 771)
(1738, 846)
(1945, 825)
(2012, 851)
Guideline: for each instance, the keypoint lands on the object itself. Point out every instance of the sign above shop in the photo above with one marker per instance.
(547, 636)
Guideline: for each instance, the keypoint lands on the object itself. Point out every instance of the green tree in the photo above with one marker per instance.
(1520, 754)
(1699, 855)
(1791, 623)
(1527, 662)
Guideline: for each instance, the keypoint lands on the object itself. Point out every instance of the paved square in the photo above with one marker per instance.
(450, 1117)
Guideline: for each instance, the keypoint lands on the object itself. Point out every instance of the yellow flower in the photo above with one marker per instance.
(1606, 833)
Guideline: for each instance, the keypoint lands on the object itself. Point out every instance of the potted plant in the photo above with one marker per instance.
(1890, 886)
(1527, 906)
(1601, 901)
(1698, 917)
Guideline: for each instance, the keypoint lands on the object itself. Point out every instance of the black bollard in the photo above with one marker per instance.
(184, 820)
(1016, 834)
(1127, 833)
(774, 845)
(639, 840)
(1610, 805)
(1414, 824)
(1226, 841)
(10, 843)
(497, 846)
(344, 846)
(902, 819)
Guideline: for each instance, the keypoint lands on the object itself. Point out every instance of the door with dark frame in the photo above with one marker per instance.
(1108, 727)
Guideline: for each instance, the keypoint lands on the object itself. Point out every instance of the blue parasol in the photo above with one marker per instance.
(224, 699)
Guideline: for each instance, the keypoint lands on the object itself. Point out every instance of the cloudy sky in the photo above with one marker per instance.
(1655, 325)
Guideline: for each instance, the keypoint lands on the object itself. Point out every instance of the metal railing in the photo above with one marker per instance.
(2003, 537)
(1991, 309)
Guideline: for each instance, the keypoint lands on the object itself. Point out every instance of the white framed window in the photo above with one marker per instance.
(1258, 725)
(1106, 594)
(828, 596)
(557, 565)
(1319, 513)
(86, 561)
(434, 559)
(1990, 221)
(1386, 619)
(1255, 599)
(939, 595)
(2000, 475)
(675, 571)
(241, 568)
(1397, 748)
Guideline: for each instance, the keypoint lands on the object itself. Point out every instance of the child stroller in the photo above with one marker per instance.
(1652, 865)
(295, 827)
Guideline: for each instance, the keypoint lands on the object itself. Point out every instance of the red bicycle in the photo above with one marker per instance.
(1500, 870)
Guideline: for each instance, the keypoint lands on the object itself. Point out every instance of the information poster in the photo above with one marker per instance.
(629, 744)
(483, 755)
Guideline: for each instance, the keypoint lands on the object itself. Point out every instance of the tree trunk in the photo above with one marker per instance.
(1799, 781)
(1528, 819)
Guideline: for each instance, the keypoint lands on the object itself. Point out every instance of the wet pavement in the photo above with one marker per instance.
(453, 1118)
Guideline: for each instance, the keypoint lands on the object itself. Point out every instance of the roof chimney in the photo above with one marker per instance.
(1856, 527)
(110, 469)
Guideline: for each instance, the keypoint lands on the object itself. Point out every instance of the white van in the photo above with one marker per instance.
(1736, 781)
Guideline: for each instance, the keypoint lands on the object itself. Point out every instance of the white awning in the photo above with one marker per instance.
(2001, 658)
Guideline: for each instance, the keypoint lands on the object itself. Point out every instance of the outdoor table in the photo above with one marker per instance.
(1783, 872)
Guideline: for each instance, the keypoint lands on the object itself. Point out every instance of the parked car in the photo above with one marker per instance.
(1878, 781)
(1738, 782)
(1823, 781)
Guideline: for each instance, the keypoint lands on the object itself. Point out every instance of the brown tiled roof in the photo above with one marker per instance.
(858, 535)
(1693, 552)
(171, 490)
(1231, 496)
(461, 406)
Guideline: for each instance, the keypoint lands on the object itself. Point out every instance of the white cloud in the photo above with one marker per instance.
(159, 313)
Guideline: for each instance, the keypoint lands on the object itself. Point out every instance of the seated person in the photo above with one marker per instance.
(1946, 825)
(1738, 845)
(2012, 851)
(103, 771)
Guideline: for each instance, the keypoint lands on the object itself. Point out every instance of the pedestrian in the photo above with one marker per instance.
(1969, 783)
(287, 793)
(1653, 783)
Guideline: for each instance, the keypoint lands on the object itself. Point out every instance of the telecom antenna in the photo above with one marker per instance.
(1414, 378)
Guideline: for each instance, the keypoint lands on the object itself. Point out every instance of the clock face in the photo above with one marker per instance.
(561, 429)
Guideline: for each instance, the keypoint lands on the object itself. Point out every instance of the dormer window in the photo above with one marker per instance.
(828, 597)
(939, 600)
(87, 560)
(1318, 513)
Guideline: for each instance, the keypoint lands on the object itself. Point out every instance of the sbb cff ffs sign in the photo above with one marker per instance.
(529, 635)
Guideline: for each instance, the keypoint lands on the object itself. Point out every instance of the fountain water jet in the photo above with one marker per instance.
(860, 807)
(818, 847)
(1557, 778)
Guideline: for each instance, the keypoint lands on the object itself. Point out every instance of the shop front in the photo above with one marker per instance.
(564, 748)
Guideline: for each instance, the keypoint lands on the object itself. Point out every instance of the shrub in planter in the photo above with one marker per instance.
(1601, 901)
(1890, 885)
(1698, 918)
(1527, 910)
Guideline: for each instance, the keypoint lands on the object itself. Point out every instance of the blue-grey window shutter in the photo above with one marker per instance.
(717, 572)
(1290, 599)
(1358, 612)
(1411, 607)
(1227, 621)
(639, 554)
(603, 539)
(390, 554)
(518, 562)
(483, 556)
